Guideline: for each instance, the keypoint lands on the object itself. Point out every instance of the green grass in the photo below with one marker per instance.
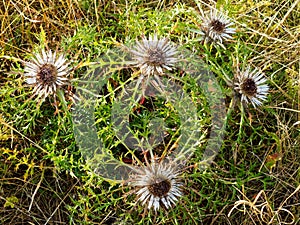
(42, 168)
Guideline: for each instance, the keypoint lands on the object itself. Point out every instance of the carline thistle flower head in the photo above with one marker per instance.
(216, 27)
(153, 55)
(251, 86)
(46, 73)
(158, 184)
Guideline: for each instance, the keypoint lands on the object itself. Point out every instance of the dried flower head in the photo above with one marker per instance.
(46, 73)
(153, 55)
(251, 86)
(158, 184)
(216, 27)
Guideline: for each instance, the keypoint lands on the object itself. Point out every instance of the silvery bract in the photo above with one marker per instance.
(251, 86)
(153, 55)
(216, 27)
(46, 73)
(158, 184)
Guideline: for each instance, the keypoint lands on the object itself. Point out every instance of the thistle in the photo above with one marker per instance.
(216, 27)
(47, 73)
(153, 55)
(251, 86)
(158, 184)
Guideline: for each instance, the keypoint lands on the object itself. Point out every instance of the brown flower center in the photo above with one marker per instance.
(155, 57)
(249, 87)
(217, 26)
(160, 187)
(47, 74)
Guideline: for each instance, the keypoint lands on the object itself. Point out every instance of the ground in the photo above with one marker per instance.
(254, 178)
